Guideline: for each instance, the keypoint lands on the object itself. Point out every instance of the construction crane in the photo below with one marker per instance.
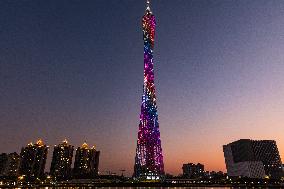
(122, 171)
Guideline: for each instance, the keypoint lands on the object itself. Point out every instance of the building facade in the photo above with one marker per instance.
(3, 163)
(86, 162)
(253, 159)
(60, 168)
(191, 170)
(9, 164)
(32, 160)
(149, 159)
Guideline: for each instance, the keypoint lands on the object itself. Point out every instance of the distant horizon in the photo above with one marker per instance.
(74, 69)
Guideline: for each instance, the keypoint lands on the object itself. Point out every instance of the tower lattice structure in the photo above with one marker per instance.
(149, 159)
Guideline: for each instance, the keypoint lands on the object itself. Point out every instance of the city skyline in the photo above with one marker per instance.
(72, 69)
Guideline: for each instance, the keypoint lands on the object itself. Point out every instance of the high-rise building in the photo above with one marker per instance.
(253, 158)
(33, 159)
(86, 162)
(191, 170)
(9, 164)
(3, 163)
(149, 159)
(61, 161)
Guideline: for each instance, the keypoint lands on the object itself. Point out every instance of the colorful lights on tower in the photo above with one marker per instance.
(149, 159)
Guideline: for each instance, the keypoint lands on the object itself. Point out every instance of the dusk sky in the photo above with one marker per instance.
(74, 69)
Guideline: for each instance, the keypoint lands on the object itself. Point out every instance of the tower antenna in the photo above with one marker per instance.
(148, 2)
(148, 5)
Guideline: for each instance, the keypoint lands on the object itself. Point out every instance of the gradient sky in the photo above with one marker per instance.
(74, 69)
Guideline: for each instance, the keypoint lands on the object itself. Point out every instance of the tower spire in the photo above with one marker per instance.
(148, 5)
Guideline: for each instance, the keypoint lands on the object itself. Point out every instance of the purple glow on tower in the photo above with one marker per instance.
(149, 159)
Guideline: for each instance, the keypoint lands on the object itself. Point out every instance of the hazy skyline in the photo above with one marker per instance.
(74, 69)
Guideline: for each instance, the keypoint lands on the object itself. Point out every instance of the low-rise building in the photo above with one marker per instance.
(191, 170)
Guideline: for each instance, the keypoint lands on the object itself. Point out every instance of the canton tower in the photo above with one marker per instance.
(149, 159)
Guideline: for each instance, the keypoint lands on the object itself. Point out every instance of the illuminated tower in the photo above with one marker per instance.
(149, 159)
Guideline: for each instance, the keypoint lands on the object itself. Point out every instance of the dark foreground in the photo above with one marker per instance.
(130, 185)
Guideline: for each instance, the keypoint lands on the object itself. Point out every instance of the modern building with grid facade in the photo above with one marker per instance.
(253, 159)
